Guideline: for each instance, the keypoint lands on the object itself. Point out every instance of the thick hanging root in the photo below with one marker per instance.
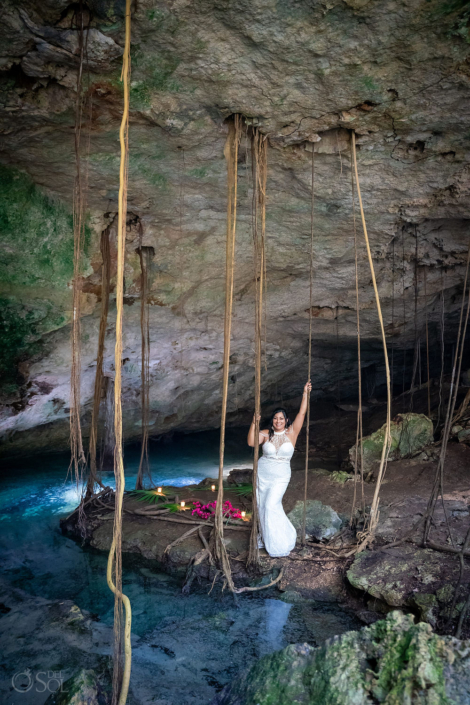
(127, 627)
(259, 169)
(309, 373)
(231, 155)
(120, 687)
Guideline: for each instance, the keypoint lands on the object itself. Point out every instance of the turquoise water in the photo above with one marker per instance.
(223, 638)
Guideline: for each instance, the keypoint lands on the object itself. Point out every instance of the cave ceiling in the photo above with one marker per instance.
(305, 73)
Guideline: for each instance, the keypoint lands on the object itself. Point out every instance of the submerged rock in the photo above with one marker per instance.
(392, 661)
(322, 520)
(84, 688)
(410, 433)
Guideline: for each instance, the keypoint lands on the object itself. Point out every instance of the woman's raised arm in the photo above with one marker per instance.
(251, 434)
(299, 419)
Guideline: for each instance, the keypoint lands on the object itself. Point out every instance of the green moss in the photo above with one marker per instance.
(142, 165)
(458, 12)
(369, 83)
(36, 266)
(446, 593)
(199, 173)
(409, 434)
(163, 21)
(393, 662)
(17, 329)
(153, 76)
(36, 235)
(340, 476)
(200, 45)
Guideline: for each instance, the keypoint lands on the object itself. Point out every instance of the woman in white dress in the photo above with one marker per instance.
(278, 535)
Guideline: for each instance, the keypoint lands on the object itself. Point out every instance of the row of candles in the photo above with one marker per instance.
(183, 503)
(160, 489)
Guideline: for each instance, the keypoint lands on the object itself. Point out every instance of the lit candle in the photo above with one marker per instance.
(243, 514)
(213, 488)
(159, 490)
(182, 505)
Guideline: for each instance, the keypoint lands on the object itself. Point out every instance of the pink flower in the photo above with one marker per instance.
(205, 511)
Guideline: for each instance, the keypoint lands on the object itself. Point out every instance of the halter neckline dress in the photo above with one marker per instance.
(277, 534)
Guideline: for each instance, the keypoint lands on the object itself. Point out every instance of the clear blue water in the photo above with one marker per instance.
(36, 557)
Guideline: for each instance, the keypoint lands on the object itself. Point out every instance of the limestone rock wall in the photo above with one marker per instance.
(395, 72)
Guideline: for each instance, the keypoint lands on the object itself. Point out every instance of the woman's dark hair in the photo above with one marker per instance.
(282, 411)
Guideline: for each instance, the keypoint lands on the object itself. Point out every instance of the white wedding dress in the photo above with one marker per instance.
(278, 535)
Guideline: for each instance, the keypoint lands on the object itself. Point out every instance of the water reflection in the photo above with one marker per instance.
(200, 642)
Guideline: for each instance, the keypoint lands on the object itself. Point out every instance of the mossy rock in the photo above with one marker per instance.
(410, 433)
(322, 522)
(394, 661)
(83, 688)
(405, 576)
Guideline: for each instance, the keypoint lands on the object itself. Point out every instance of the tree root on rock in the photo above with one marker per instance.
(260, 587)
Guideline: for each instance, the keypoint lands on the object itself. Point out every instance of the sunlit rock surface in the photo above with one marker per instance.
(397, 73)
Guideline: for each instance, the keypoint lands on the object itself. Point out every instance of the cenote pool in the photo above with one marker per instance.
(186, 648)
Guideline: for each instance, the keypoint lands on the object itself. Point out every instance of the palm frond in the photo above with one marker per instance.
(149, 496)
(244, 490)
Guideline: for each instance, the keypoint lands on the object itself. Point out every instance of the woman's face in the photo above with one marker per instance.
(279, 422)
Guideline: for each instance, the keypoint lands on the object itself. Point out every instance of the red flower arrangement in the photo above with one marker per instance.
(205, 511)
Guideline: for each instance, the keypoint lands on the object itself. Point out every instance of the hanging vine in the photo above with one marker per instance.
(359, 451)
(145, 257)
(122, 641)
(77, 460)
(438, 486)
(231, 156)
(94, 474)
(369, 529)
(404, 309)
(416, 354)
(309, 371)
(259, 173)
(427, 340)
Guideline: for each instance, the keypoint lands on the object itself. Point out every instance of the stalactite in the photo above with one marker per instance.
(94, 474)
(259, 166)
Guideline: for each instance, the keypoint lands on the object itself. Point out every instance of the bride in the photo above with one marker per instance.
(278, 535)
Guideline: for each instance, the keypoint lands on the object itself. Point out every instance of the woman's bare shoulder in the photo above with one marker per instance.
(265, 432)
